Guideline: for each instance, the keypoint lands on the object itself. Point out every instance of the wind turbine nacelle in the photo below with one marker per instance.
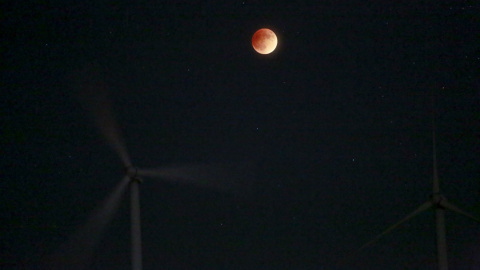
(136, 179)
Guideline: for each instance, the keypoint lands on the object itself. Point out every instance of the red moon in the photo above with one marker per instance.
(264, 41)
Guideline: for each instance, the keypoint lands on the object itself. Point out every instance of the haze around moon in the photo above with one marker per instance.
(264, 41)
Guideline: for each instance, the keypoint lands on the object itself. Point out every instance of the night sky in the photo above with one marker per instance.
(331, 133)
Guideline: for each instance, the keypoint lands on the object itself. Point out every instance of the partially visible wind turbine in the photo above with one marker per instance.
(77, 253)
(438, 202)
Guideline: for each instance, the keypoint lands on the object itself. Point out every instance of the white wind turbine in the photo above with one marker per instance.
(78, 251)
(439, 203)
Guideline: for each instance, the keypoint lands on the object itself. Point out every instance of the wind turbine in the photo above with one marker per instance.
(438, 202)
(78, 251)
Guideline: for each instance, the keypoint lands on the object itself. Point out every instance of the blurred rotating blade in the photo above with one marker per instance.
(94, 96)
(78, 251)
(231, 178)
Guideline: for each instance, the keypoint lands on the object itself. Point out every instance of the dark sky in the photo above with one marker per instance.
(335, 125)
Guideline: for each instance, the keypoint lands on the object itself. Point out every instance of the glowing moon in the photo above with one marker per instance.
(264, 41)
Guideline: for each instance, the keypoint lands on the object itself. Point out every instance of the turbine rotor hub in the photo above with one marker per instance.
(132, 173)
(437, 199)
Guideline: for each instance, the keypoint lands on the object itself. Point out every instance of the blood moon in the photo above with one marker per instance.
(264, 41)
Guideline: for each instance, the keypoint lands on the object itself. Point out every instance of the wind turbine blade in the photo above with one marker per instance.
(94, 96)
(436, 181)
(448, 205)
(78, 251)
(223, 177)
(417, 211)
(136, 227)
